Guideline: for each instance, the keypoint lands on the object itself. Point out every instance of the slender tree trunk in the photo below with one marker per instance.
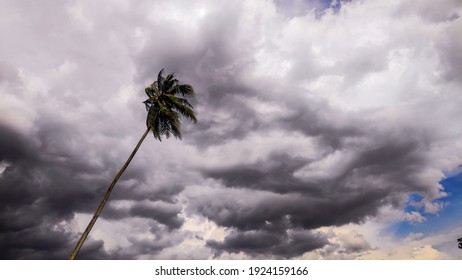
(105, 199)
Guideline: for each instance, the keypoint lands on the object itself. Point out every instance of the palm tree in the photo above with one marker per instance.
(167, 100)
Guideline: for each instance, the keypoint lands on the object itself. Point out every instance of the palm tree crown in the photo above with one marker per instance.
(167, 100)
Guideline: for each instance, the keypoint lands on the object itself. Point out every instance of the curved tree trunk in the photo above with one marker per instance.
(105, 199)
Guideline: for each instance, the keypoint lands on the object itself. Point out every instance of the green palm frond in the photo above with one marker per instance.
(160, 77)
(182, 89)
(149, 92)
(182, 106)
(169, 82)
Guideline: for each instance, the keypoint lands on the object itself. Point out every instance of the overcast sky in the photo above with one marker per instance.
(325, 130)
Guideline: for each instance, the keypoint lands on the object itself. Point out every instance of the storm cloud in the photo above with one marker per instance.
(316, 119)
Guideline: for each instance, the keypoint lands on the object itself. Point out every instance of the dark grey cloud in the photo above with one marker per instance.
(34, 199)
(28, 241)
(43, 185)
(273, 174)
(260, 243)
(38, 191)
(12, 146)
(166, 214)
(294, 210)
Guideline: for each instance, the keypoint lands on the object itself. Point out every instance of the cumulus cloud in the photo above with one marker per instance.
(414, 217)
(312, 115)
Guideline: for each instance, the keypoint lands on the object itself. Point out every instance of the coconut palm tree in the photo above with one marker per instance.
(167, 101)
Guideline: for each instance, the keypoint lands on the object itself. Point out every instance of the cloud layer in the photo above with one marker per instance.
(317, 121)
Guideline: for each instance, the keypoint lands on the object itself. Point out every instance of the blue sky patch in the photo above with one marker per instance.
(445, 219)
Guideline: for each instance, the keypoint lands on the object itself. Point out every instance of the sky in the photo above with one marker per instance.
(326, 129)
